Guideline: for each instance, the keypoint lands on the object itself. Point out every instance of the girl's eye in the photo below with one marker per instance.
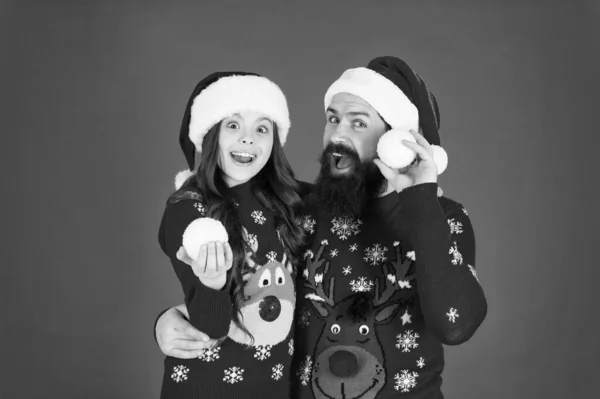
(332, 119)
(233, 125)
(263, 129)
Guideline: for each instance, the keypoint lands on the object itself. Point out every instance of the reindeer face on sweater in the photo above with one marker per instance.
(268, 309)
(348, 358)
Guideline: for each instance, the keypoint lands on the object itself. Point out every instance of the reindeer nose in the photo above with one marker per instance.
(343, 363)
(269, 308)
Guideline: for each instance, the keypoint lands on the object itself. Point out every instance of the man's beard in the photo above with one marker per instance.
(346, 194)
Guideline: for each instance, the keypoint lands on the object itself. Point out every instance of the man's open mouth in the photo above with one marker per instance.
(341, 161)
(242, 158)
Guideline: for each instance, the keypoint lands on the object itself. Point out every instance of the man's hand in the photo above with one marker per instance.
(213, 262)
(176, 337)
(423, 171)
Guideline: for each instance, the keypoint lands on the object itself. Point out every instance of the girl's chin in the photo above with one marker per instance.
(235, 179)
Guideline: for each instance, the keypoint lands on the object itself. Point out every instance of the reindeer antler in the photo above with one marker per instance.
(391, 280)
(252, 243)
(286, 263)
(315, 280)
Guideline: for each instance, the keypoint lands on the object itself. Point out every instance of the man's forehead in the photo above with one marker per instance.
(346, 102)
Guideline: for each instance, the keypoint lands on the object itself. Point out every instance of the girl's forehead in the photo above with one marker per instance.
(251, 116)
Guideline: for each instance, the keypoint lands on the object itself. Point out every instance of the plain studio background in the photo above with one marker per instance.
(92, 100)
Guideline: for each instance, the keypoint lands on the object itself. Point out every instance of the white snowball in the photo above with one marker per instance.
(393, 152)
(440, 157)
(202, 231)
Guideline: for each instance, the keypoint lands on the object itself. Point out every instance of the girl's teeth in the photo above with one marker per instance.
(243, 154)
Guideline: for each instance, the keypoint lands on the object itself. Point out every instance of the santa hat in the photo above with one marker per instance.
(223, 94)
(398, 94)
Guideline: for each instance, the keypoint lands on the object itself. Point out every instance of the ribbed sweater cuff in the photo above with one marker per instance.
(210, 310)
(421, 203)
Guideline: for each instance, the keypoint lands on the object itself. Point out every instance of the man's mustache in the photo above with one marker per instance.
(341, 149)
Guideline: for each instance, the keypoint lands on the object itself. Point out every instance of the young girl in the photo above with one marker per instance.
(240, 292)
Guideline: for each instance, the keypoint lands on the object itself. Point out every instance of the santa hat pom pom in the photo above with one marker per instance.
(440, 157)
(393, 152)
(202, 231)
(181, 177)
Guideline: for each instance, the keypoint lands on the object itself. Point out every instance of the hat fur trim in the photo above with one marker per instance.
(381, 93)
(181, 177)
(237, 93)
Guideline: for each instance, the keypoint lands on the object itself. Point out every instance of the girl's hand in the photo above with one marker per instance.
(424, 171)
(213, 262)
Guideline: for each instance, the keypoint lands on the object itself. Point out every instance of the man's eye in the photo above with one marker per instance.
(360, 124)
(332, 119)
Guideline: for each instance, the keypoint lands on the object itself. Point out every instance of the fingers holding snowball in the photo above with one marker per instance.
(199, 265)
(228, 254)
(421, 140)
(220, 256)
(398, 180)
(216, 263)
(183, 256)
(211, 260)
(423, 153)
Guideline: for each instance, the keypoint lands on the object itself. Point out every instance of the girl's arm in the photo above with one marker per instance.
(209, 310)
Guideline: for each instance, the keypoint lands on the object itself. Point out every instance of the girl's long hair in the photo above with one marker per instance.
(276, 189)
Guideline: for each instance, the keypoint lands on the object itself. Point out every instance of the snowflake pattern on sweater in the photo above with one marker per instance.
(405, 381)
(308, 224)
(233, 375)
(179, 373)
(345, 227)
(407, 341)
(210, 354)
(277, 372)
(267, 310)
(405, 264)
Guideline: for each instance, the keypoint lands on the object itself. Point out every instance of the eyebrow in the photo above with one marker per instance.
(353, 113)
(358, 113)
(264, 118)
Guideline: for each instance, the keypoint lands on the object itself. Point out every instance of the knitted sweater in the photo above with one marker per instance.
(380, 294)
(237, 368)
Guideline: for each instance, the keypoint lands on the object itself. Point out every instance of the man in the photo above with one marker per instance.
(389, 277)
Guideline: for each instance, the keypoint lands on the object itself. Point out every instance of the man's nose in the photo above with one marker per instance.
(339, 133)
